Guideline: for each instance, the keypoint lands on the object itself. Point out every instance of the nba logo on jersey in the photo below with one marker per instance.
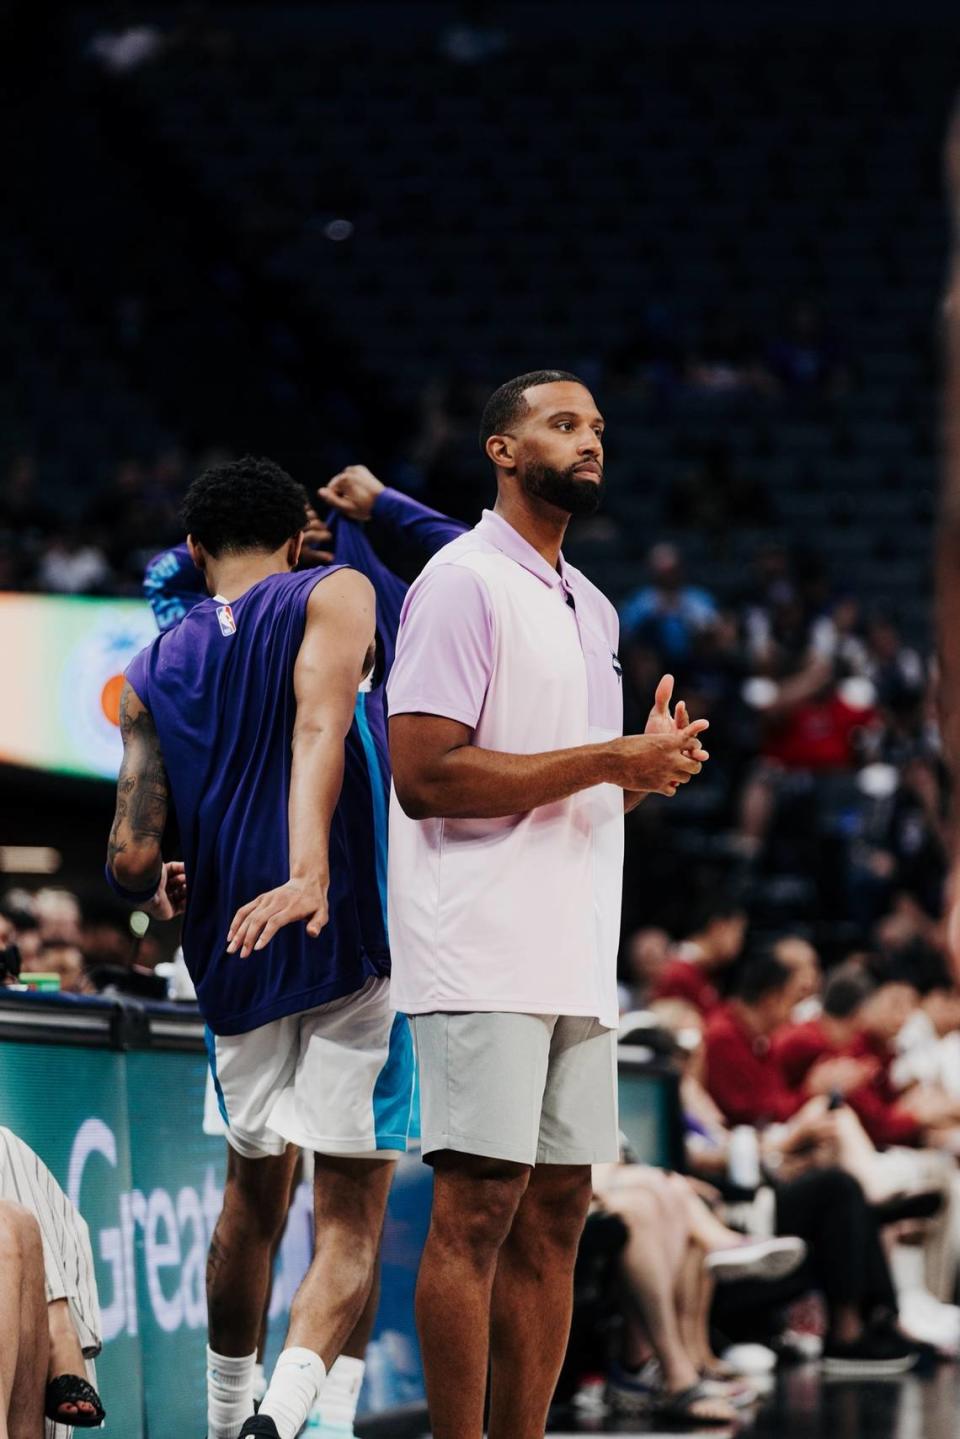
(228, 625)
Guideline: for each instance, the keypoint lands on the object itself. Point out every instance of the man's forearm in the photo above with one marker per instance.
(409, 520)
(316, 779)
(474, 783)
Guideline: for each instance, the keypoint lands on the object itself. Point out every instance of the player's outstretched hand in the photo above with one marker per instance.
(171, 896)
(255, 924)
(353, 492)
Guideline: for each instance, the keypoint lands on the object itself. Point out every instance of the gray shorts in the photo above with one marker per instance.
(532, 1088)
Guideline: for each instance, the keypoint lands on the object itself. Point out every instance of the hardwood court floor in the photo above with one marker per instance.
(802, 1406)
(805, 1406)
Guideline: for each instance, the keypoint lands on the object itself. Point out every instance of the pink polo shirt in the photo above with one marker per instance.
(520, 913)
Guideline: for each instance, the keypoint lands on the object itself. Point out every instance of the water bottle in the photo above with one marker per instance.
(743, 1164)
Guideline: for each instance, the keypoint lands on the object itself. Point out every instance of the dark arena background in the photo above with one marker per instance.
(325, 233)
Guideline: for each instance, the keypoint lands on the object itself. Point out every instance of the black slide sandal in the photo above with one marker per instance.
(71, 1389)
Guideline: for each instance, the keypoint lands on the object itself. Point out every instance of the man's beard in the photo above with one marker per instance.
(563, 489)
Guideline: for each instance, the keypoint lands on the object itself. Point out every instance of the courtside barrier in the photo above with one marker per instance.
(110, 1094)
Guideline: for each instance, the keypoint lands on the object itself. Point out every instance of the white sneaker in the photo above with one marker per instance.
(924, 1318)
(757, 1259)
(753, 1360)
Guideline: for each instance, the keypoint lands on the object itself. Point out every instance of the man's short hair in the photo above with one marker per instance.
(762, 974)
(846, 991)
(247, 504)
(507, 405)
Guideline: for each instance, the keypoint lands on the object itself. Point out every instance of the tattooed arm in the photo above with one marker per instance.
(134, 858)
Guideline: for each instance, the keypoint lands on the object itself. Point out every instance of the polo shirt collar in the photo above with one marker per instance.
(510, 542)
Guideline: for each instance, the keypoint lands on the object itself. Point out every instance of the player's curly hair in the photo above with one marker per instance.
(247, 504)
(507, 405)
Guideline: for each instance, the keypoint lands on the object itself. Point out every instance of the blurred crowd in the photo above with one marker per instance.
(77, 946)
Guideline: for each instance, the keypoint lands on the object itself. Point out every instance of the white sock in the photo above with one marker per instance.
(259, 1381)
(229, 1393)
(337, 1405)
(293, 1390)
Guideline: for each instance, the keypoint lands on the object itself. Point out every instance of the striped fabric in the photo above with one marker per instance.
(67, 1256)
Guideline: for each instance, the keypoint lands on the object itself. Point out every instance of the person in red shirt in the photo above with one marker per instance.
(862, 1016)
(713, 946)
(797, 1048)
(741, 1074)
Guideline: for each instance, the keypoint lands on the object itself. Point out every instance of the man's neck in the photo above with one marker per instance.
(749, 1019)
(838, 1031)
(541, 524)
(232, 575)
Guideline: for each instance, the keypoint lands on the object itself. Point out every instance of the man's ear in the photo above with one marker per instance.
(293, 551)
(197, 553)
(502, 451)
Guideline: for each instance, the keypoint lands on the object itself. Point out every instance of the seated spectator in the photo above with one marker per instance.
(65, 961)
(862, 1017)
(812, 725)
(896, 670)
(55, 1262)
(646, 954)
(23, 927)
(928, 1045)
(58, 914)
(23, 1317)
(799, 955)
(712, 947)
(742, 1075)
(845, 1262)
(675, 1252)
(667, 615)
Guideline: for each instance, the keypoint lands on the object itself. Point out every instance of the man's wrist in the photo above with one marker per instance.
(132, 896)
(608, 762)
(383, 490)
(310, 876)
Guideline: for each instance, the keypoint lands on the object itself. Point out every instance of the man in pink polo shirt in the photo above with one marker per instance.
(511, 776)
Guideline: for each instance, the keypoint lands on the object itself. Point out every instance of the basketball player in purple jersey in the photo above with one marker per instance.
(359, 505)
(242, 711)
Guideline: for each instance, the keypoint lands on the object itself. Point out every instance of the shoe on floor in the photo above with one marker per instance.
(757, 1259)
(259, 1426)
(876, 1354)
(752, 1360)
(923, 1317)
(634, 1391)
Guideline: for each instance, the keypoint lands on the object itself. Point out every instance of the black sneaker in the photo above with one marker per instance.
(872, 1356)
(259, 1426)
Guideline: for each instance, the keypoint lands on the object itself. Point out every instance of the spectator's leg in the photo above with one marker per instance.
(651, 1262)
(705, 1228)
(827, 1208)
(532, 1301)
(23, 1323)
(694, 1308)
